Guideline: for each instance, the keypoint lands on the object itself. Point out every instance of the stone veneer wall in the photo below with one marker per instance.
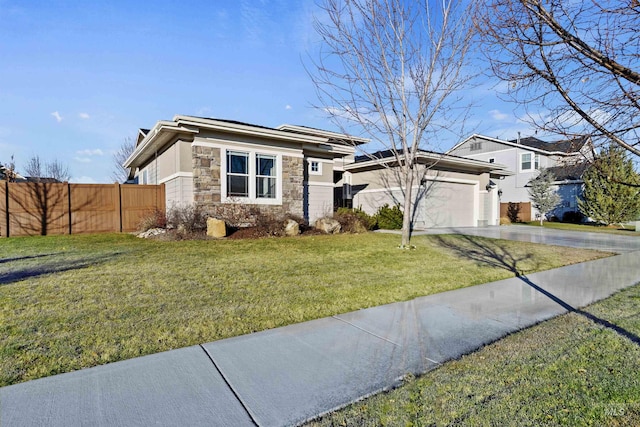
(207, 189)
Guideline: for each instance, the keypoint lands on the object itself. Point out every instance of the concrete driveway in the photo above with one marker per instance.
(524, 233)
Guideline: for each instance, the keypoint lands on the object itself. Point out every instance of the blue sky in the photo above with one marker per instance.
(77, 78)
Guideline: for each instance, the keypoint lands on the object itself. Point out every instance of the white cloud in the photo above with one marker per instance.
(89, 152)
(498, 115)
(288, 107)
(82, 159)
(83, 180)
(84, 116)
(57, 116)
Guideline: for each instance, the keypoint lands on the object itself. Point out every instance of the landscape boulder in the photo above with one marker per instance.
(328, 225)
(291, 228)
(216, 228)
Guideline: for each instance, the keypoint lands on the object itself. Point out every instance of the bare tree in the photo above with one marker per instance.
(391, 69)
(44, 202)
(38, 171)
(120, 173)
(574, 61)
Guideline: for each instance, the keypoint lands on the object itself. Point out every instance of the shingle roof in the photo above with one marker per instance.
(563, 146)
(569, 172)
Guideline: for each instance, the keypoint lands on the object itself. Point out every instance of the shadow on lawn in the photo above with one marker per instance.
(21, 258)
(60, 266)
(491, 252)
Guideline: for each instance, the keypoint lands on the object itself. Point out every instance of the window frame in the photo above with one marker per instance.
(534, 161)
(260, 177)
(252, 177)
(310, 163)
(229, 173)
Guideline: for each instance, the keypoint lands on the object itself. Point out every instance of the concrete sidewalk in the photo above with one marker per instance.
(288, 375)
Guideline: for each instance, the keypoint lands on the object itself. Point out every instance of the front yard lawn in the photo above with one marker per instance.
(70, 302)
(566, 371)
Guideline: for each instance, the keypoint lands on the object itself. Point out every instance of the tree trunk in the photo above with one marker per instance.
(406, 212)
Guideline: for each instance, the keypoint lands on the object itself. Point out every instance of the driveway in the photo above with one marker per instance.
(523, 233)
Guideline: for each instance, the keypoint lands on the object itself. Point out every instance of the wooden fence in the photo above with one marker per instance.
(60, 208)
(520, 212)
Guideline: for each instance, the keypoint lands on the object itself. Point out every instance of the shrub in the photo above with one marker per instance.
(187, 219)
(153, 219)
(573, 217)
(389, 218)
(354, 220)
(513, 212)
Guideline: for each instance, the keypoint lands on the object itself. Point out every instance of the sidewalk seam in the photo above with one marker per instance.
(237, 396)
(366, 331)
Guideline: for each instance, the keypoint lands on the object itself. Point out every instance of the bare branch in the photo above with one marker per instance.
(390, 69)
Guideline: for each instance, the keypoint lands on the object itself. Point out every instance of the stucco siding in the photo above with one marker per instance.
(318, 201)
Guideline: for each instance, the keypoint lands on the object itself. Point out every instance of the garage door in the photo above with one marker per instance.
(446, 204)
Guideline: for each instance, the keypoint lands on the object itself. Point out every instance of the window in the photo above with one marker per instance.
(237, 174)
(315, 167)
(529, 161)
(492, 160)
(265, 176)
(475, 146)
(251, 177)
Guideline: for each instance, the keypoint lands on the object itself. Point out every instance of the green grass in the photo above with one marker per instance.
(70, 302)
(613, 229)
(566, 371)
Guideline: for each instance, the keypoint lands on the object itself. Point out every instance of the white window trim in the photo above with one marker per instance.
(252, 199)
(530, 169)
(312, 172)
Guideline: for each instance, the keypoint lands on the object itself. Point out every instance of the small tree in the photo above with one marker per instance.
(393, 70)
(542, 194)
(607, 195)
(120, 173)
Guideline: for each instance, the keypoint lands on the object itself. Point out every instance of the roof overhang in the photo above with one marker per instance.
(436, 161)
(188, 126)
(341, 137)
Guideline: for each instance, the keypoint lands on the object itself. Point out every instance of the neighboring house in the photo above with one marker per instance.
(220, 165)
(450, 191)
(524, 157)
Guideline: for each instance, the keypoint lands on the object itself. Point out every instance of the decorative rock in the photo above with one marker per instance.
(216, 228)
(291, 228)
(151, 232)
(328, 225)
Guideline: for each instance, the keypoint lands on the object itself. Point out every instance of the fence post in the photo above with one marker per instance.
(69, 207)
(119, 207)
(6, 205)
